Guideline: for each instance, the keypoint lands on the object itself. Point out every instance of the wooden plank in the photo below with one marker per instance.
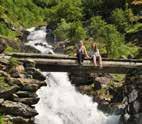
(62, 65)
(56, 56)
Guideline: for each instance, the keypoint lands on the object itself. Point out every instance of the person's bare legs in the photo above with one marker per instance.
(94, 60)
(100, 61)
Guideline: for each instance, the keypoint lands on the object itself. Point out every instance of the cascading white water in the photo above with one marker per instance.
(59, 102)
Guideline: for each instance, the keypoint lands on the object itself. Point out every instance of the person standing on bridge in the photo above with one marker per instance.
(95, 55)
(81, 52)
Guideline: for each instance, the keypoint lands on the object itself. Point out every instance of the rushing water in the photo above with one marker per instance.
(59, 102)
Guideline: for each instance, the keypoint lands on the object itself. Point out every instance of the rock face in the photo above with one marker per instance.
(133, 96)
(2, 46)
(18, 86)
(17, 109)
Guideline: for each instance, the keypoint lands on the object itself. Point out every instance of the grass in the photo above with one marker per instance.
(1, 121)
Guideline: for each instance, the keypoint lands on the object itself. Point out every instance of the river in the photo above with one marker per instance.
(59, 102)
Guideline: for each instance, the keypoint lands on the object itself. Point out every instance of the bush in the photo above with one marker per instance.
(1, 119)
(112, 39)
(62, 30)
(76, 32)
(123, 19)
(9, 49)
(70, 10)
(72, 31)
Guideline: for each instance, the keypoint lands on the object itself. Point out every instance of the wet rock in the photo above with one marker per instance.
(17, 109)
(133, 91)
(30, 85)
(103, 80)
(8, 93)
(23, 94)
(29, 64)
(17, 72)
(18, 119)
(5, 74)
(29, 49)
(2, 46)
(1, 101)
(36, 74)
(28, 101)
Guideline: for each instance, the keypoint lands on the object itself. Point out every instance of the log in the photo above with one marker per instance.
(59, 56)
(68, 65)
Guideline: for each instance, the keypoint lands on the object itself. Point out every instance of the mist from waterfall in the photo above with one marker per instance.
(59, 102)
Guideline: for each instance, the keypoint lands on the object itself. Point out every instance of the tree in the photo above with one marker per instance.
(76, 32)
(62, 30)
(70, 10)
(101, 7)
(96, 23)
(123, 19)
(107, 34)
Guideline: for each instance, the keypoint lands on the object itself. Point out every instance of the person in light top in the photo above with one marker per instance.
(95, 55)
(81, 52)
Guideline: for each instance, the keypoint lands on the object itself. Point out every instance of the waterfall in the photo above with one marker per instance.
(59, 102)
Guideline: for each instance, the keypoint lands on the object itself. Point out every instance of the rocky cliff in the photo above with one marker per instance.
(18, 86)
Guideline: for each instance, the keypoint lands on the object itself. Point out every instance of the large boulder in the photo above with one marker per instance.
(36, 74)
(7, 93)
(2, 46)
(28, 101)
(17, 109)
(30, 85)
(133, 95)
(17, 120)
(17, 72)
(23, 94)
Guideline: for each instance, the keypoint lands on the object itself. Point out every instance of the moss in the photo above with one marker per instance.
(9, 49)
(3, 84)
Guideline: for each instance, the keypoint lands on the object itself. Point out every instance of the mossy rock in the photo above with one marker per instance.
(3, 84)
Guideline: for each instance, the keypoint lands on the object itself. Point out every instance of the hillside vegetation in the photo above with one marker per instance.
(106, 21)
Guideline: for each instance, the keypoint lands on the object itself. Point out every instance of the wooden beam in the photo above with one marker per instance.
(57, 56)
(62, 65)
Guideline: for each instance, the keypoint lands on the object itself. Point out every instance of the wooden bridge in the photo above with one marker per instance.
(63, 63)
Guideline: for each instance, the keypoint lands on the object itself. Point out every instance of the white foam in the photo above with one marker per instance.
(59, 102)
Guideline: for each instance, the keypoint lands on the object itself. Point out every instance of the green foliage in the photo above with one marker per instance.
(70, 10)
(62, 30)
(76, 32)
(1, 119)
(73, 31)
(3, 84)
(101, 7)
(13, 62)
(96, 24)
(114, 41)
(106, 21)
(9, 49)
(134, 28)
(123, 19)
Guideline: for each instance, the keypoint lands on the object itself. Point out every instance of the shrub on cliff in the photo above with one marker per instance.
(73, 31)
(1, 119)
(107, 34)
